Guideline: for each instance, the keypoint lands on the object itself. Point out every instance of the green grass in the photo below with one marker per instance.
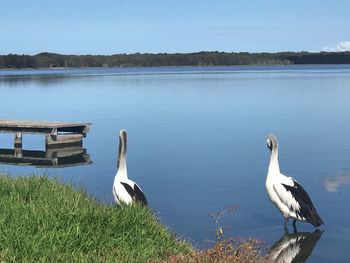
(43, 220)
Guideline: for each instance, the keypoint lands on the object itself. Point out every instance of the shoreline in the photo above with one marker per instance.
(204, 58)
(66, 219)
(45, 220)
(185, 66)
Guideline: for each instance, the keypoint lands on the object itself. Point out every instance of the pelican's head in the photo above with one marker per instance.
(123, 134)
(271, 142)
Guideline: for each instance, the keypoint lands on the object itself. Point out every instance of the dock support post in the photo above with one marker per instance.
(18, 145)
(18, 140)
(51, 138)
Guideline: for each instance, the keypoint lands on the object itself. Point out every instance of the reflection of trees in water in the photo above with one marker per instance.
(45, 77)
(19, 81)
(296, 247)
(332, 183)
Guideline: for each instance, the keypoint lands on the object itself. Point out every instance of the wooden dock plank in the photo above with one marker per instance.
(61, 140)
(57, 134)
(40, 124)
(43, 127)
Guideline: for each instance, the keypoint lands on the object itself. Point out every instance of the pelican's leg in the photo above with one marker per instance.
(285, 225)
(294, 226)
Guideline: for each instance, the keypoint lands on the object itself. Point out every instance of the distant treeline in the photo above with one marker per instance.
(47, 60)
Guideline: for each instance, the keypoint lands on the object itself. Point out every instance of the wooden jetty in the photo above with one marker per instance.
(57, 134)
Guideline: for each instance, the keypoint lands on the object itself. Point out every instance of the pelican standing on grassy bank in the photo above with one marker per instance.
(287, 194)
(125, 190)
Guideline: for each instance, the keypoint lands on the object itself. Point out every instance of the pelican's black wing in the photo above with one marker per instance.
(307, 209)
(136, 193)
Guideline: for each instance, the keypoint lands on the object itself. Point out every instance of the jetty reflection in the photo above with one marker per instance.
(63, 143)
(54, 158)
(332, 183)
(296, 247)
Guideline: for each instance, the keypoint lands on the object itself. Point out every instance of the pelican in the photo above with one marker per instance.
(296, 247)
(125, 190)
(287, 194)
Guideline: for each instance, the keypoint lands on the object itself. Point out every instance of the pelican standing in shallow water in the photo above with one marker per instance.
(287, 194)
(125, 190)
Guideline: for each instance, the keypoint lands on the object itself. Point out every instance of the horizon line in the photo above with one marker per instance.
(172, 53)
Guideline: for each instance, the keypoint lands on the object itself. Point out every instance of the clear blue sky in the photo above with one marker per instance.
(129, 26)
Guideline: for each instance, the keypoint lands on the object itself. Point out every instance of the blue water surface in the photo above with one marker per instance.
(197, 141)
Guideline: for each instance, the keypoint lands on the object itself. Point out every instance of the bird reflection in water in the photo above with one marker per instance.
(295, 247)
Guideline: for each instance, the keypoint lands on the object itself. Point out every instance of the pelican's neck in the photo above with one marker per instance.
(121, 162)
(274, 167)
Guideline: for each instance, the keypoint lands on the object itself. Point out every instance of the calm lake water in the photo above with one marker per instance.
(197, 141)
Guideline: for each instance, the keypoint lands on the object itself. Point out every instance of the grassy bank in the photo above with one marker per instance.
(42, 220)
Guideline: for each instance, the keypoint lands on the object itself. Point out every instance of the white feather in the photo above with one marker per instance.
(120, 194)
